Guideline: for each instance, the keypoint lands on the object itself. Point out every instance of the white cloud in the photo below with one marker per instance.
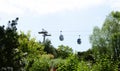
(45, 6)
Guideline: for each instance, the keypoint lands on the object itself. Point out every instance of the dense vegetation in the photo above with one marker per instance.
(23, 53)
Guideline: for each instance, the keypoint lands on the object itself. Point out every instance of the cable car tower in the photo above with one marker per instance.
(45, 33)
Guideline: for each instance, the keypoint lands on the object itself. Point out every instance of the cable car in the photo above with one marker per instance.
(79, 40)
(61, 37)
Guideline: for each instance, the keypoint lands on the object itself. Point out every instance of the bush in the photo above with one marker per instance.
(69, 64)
(105, 64)
(40, 64)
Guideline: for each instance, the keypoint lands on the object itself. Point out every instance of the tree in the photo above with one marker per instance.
(115, 44)
(102, 39)
(86, 55)
(9, 57)
(49, 48)
(64, 51)
(30, 50)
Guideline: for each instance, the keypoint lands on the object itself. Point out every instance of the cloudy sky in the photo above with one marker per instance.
(73, 17)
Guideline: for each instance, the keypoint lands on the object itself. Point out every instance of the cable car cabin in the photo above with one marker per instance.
(61, 37)
(79, 40)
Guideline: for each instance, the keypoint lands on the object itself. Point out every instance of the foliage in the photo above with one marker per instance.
(73, 64)
(105, 64)
(30, 45)
(70, 64)
(9, 57)
(64, 51)
(30, 49)
(115, 44)
(49, 48)
(40, 64)
(102, 39)
(86, 55)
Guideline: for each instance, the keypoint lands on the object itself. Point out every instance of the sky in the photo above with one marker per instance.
(72, 17)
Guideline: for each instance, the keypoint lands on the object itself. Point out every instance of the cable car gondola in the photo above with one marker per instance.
(79, 40)
(61, 37)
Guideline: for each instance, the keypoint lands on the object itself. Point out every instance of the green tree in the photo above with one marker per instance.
(115, 44)
(49, 48)
(31, 50)
(64, 51)
(9, 57)
(102, 39)
(86, 55)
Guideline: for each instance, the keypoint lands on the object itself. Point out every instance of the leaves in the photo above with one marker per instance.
(64, 51)
(8, 45)
(101, 38)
